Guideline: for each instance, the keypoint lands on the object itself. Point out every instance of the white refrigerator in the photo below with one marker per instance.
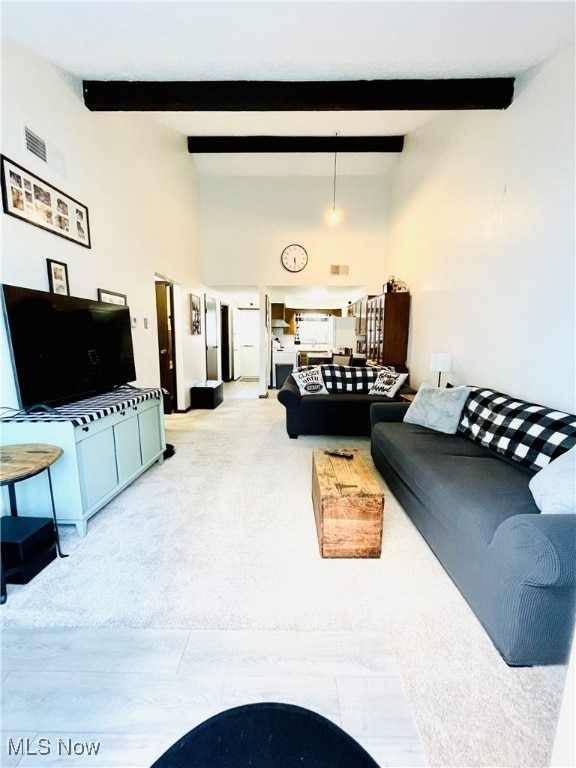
(344, 333)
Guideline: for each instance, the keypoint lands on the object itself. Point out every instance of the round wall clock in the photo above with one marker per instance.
(294, 258)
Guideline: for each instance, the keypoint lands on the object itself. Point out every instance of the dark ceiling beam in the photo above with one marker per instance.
(314, 96)
(236, 144)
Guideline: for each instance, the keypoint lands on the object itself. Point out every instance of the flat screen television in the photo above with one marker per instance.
(65, 348)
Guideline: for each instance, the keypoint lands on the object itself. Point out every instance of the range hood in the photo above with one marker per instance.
(280, 324)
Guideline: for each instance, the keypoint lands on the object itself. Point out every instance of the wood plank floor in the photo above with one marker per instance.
(131, 693)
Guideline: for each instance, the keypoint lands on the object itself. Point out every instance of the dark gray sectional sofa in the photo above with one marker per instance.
(515, 566)
(337, 413)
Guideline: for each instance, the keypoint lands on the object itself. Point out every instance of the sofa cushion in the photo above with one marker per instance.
(347, 378)
(388, 383)
(529, 434)
(436, 408)
(310, 381)
(467, 489)
(554, 486)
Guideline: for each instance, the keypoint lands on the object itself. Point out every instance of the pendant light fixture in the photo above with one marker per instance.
(334, 216)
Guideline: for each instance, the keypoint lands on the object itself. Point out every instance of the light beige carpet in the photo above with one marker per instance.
(222, 536)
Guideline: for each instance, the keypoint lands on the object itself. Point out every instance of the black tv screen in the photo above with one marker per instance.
(65, 348)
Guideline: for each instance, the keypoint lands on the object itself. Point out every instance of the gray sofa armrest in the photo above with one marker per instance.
(540, 547)
(392, 411)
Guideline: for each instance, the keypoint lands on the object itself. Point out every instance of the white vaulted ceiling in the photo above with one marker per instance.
(291, 41)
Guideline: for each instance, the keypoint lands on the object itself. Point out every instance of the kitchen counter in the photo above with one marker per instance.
(320, 350)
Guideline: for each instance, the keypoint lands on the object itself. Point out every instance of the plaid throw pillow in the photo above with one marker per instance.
(530, 434)
(347, 378)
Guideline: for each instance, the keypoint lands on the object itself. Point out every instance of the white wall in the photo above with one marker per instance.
(139, 184)
(247, 221)
(482, 230)
(481, 227)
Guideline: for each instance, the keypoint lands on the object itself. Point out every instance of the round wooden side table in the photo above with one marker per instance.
(21, 462)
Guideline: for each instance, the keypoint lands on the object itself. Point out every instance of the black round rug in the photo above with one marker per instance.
(266, 735)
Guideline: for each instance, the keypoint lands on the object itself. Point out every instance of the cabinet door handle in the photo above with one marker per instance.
(85, 429)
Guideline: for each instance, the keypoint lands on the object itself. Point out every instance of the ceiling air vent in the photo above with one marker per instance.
(35, 144)
(339, 269)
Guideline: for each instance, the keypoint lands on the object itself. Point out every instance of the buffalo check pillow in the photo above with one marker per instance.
(530, 434)
(347, 378)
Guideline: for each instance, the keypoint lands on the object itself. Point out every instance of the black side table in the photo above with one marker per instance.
(28, 543)
(207, 394)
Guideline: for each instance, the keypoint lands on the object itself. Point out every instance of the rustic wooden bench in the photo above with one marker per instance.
(348, 506)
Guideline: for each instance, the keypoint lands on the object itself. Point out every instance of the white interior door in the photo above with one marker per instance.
(250, 342)
(212, 341)
(237, 344)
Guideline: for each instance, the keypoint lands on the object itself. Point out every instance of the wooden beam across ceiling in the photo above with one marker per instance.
(312, 96)
(240, 144)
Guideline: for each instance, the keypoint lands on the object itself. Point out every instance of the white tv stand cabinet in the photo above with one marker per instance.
(108, 441)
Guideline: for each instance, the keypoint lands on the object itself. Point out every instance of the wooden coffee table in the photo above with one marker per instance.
(348, 506)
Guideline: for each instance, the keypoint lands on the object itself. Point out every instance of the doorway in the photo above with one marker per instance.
(225, 335)
(212, 345)
(250, 343)
(166, 346)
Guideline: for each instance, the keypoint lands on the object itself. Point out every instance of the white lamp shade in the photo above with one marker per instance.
(441, 362)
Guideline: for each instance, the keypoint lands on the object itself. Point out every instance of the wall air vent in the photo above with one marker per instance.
(339, 269)
(44, 150)
(35, 144)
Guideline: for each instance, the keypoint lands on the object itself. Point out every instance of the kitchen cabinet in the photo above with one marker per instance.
(290, 317)
(278, 317)
(277, 311)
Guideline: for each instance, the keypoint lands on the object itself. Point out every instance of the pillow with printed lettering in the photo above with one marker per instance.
(388, 383)
(310, 382)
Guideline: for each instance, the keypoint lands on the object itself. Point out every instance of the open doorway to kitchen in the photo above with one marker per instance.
(318, 320)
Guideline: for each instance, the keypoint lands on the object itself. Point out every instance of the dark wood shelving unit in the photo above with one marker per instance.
(387, 323)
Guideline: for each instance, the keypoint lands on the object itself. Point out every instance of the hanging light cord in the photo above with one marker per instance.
(334, 200)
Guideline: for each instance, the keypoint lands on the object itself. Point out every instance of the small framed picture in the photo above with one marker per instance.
(111, 297)
(58, 277)
(195, 309)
